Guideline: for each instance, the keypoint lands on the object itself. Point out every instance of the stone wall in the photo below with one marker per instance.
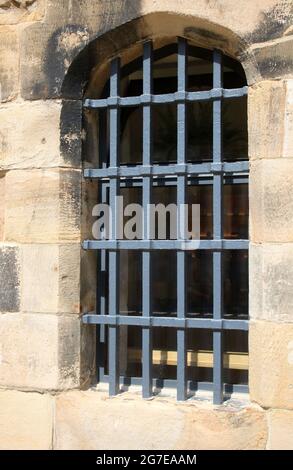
(47, 51)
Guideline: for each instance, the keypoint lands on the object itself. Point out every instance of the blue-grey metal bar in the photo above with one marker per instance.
(181, 200)
(102, 254)
(172, 181)
(192, 385)
(168, 322)
(167, 98)
(218, 232)
(166, 245)
(165, 170)
(146, 255)
(114, 255)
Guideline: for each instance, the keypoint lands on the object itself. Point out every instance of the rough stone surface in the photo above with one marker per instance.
(271, 364)
(280, 424)
(9, 278)
(266, 108)
(47, 355)
(9, 63)
(288, 130)
(271, 200)
(271, 282)
(42, 206)
(275, 60)
(51, 278)
(25, 421)
(37, 140)
(68, 28)
(2, 206)
(90, 420)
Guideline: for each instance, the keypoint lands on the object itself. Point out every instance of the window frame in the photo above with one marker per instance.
(108, 250)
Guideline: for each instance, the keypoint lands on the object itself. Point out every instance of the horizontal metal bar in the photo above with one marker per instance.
(147, 245)
(169, 322)
(177, 97)
(192, 385)
(165, 170)
(172, 181)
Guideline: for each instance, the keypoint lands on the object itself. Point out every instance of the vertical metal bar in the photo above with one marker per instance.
(113, 255)
(101, 255)
(146, 255)
(181, 199)
(218, 233)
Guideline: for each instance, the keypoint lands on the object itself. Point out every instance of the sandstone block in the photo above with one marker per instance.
(271, 201)
(42, 206)
(266, 109)
(42, 352)
(2, 207)
(36, 142)
(91, 420)
(271, 282)
(51, 278)
(9, 278)
(280, 424)
(288, 128)
(271, 364)
(9, 63)
(25, 421)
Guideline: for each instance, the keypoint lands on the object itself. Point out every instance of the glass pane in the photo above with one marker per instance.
(236, 211)
(199, 356)
(200, 131)
(235, 345)
(202, 195)
(235, 136)
(200, 73)
(164, 265)
(130, 351)
(165, 75)
(132, 220)
(235, 284)
(130, 282)
(164, 354)
(164, 125)
(199, 284)
(131, 136)
(166, 221)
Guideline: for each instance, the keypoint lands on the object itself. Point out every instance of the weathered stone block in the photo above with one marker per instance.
(266, 108)
(70, 130)
(17, 11)
(275, 60)
(271, 282)
(51, 278)
(280, 424)
(271, 364)
(42, 206)
(91, 420)
(37, 140)
(42, 352)
(26, 421)
(2, 206)
(9, 278)
(9, 63)
(288, 128)
(271, 201)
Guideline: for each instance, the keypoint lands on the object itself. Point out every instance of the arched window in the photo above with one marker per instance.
(173, 129)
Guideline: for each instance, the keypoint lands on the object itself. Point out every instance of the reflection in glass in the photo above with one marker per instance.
(235, 345)
(235, 211)
(199, 284)
(235, 273)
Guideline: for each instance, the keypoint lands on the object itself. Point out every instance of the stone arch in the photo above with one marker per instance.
(125, 38)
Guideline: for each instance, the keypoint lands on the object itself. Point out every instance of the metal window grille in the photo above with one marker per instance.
(113, 176)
